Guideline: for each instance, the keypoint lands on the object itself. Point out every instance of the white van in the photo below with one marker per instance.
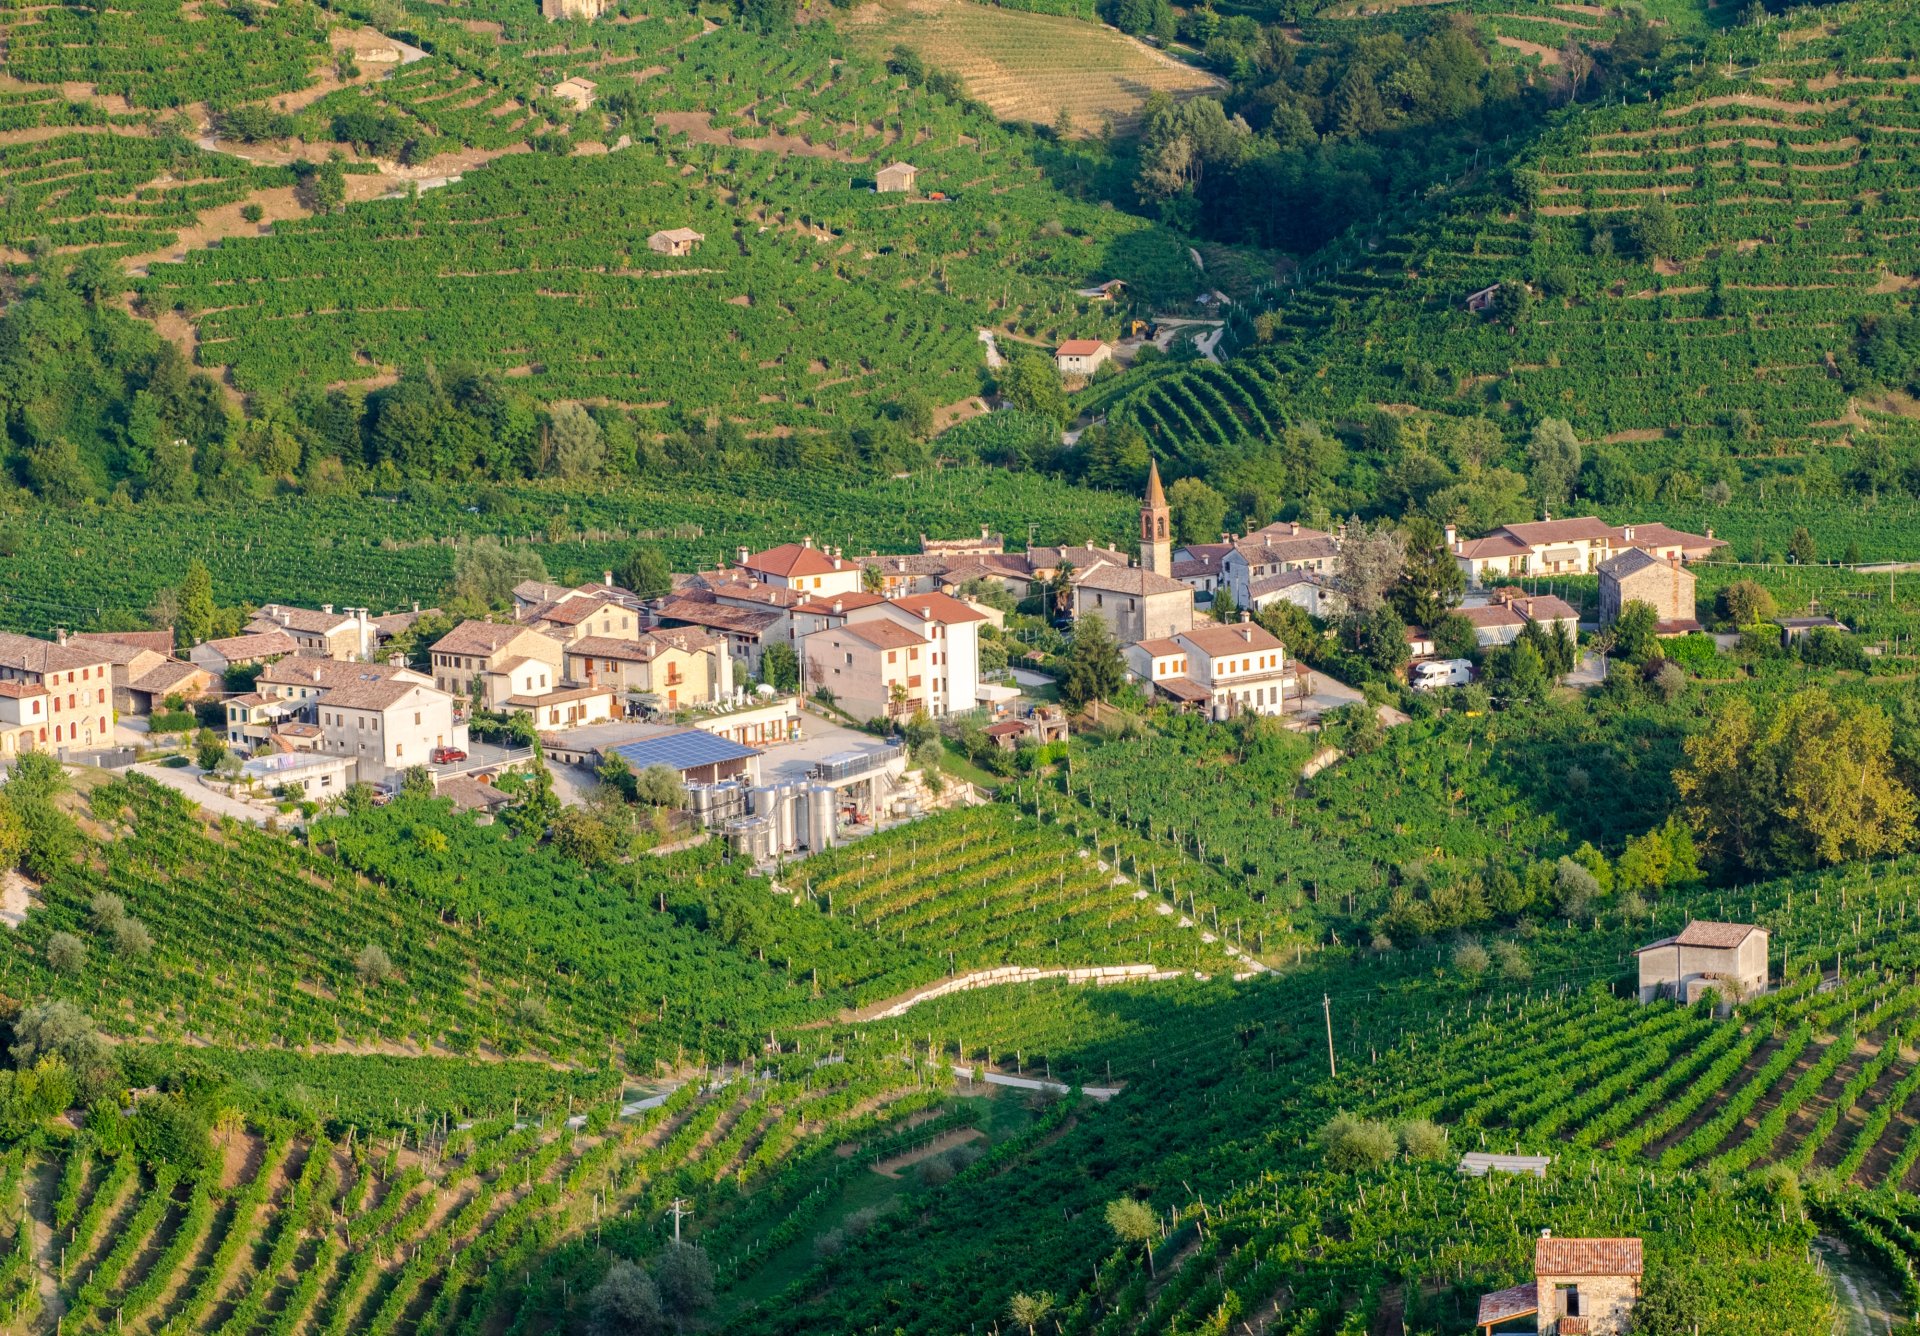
(1433, 674)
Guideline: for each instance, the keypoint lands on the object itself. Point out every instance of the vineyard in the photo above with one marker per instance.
(1779, 159)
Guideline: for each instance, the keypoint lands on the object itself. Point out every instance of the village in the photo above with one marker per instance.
(780, 691)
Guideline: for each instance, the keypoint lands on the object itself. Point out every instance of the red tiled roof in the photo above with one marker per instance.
(791, 559)
(1721, 936)
(937, 608)
(881, 634)
(1220, 642)
(1184, 688)
(1539, 533)
(1505, 1305)
(1493, 545)
(1554, 1257)
(1079, 348)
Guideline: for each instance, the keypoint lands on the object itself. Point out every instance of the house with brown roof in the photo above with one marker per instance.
(747, 631)
(1222, 671)
(576, 92)
(1731, 957)
(681, 667)
(876, 669)
(950, 629)
(591, 610)
(241, 651)
(79, 689)
(1663, 584)
(323, 634)
(1580, 1287)
(1574, 546)
(1500, 621)
(1080, 358)
(1281, 548)
(387, 718)
(1136, 603)
(802, 567)
(144, 669)
(496, 662)
(23, 717)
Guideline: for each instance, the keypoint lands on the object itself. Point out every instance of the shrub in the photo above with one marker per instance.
(1348, 1143)
(1423, 1139)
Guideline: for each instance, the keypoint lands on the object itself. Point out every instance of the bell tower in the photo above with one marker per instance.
(1156, 526)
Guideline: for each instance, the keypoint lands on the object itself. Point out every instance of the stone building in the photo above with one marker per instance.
(1637, 576)
(895, 178)
(1701, 956)
(1580, 1287)
(1135, 603)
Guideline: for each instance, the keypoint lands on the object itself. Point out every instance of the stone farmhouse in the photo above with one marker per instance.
(386, 718)
(145, 672)
(1704, 955)
(241, 651)
(1252, 563)
(576, 92)
(1664, 584)
(680, 667)
(896, 178)
(1580, 1287)
(675, 241)
(325, 634)
(1568, 547)
(494, 662)
(65, 690)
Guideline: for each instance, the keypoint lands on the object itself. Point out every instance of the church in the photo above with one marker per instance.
(1143, 601)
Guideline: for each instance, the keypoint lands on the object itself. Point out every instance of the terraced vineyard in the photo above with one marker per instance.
(1779, 159)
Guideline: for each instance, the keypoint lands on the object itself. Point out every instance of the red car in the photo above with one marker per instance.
(447, 755)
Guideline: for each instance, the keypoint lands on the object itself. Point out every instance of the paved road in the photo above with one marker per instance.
(1101, 1093)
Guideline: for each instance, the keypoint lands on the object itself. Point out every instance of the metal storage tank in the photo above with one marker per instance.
(788, 834)
(823, 805)
(761, 799)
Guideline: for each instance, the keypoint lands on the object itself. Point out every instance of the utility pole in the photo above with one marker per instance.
(678, 1210)
(1326, 1005)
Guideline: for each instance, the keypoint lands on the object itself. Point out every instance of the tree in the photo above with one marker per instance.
(1747, 603)
(1553, 462)
(1431, 581)
(684, 1275)
(1656, 230)
(1379, 637)
(1224, 609)
(1454, 637)
(1517, 673)
(1095, 668)
(1030, 382)
(1133, 1223)
(196, 606)
(1800, 547)
(1199, 512)
(1372, 557)
(780, 666)
(373, 964)
(626, 1302)
(873, 580)
(131, 938)
(417, 781)
(578, 449)
(66, 954)
(1635, 635)
(647, 573)
(209, 751)
(1348, 1143)
(486, 570)
(1811, 783)
(660, 786)
(1421, 1138)
(58, 1029)
(1029, 1310)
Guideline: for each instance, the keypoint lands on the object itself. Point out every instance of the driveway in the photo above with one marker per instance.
(1589, 672)
(790, 761)
(1330, 693)
(185, 780)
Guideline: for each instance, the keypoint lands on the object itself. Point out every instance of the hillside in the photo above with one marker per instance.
(1031, 66)
(1700, 270)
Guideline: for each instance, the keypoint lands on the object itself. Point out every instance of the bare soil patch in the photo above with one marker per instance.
(938, 1146)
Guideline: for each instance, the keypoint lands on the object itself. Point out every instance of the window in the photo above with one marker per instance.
(396, 751)
(893, 656)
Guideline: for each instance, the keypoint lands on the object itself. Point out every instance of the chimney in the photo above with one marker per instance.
(1627, 533)
(838, 604)
(327, 608)
(606, 578)
(60, 635)
(983, 531)
(1709, 531)
(807, 541)
(416, 605)
(286, 618)
(740, 556)
(1293, 529)
(1546, 1233)
(1245, 616)
(1453, 537)
(1546, 516)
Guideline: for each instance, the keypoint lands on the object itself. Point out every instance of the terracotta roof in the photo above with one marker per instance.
(882, 634)
(167, 675)
(1491, 614)
(1307, 545)
(537, 591)
(1553, 1257)
(944, 608)
(28, 655)
(330, 674)
(1274, 584)
(20, 690)
(1113, 579)
(1010, 729)
(753, 591)
(1219, 642)
(1047, 558)
(481, 639)
(560, 697)
(1538, 533)
(643, 650)
(675, 233)
(254, 645)
(1162, 647)
(1183, 688)
(298, 619)
(160, 642)
(1546, 608)
(392, 624)
(839, 604)
(920, 563)
(723, 616)
(1493, 545)
(1661, 535)
(790, 559)
(1630, 562)
(469, 794)
(1722, 936)
(1080, 348)
(370, 692)
(1505, 1305)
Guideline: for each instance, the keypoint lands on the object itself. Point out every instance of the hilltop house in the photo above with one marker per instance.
(802, 567)
(386, 718)
(896, 657)
(1580, 1287)
(496, 662)
(1501, 621)
(1278, 549)
(1663, 584)
(1569, 547)
(1081, 357)
(681, 666)
(896, 179)
(675, 241)
(1705, 955)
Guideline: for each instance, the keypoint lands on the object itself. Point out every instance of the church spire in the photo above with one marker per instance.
(1156, 525)
(1155, 496)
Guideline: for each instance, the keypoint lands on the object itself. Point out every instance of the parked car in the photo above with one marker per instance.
(1433, 674)
(447, 755)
